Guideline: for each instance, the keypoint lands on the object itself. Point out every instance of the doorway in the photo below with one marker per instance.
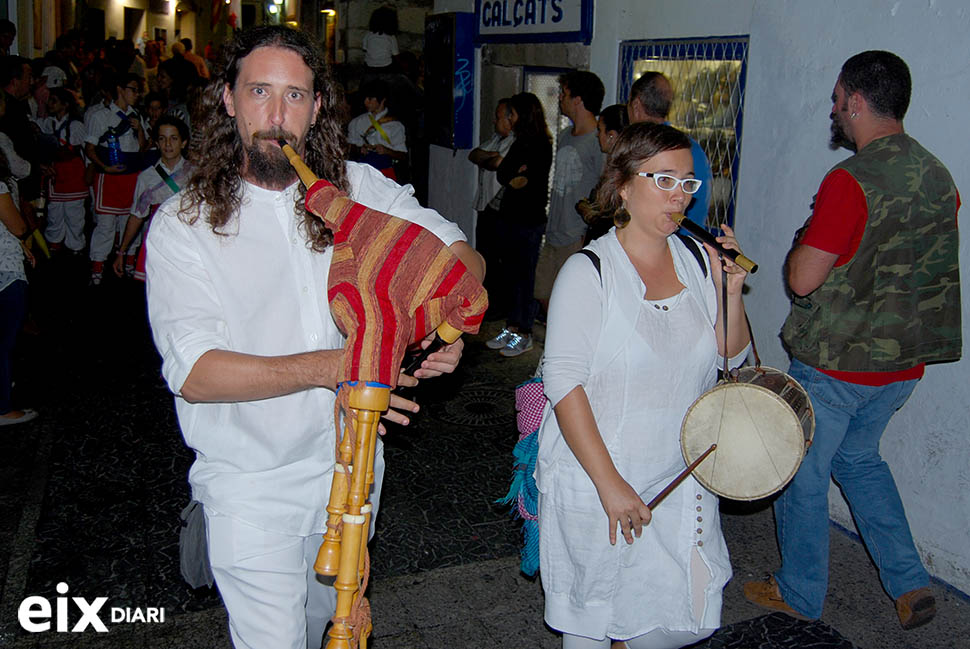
(134, 23)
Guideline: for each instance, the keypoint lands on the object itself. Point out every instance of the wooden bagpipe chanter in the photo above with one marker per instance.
(391, 284)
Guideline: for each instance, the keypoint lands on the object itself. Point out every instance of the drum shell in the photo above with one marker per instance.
(762, 422)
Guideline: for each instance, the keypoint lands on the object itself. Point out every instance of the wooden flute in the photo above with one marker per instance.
(708, 238)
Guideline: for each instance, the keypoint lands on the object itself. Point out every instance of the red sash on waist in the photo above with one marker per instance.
(68, 182)
(114, 193)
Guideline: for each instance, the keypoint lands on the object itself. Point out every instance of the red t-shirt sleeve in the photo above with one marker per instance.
(839, 216)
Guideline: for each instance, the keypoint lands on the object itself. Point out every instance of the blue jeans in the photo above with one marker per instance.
(849, 422)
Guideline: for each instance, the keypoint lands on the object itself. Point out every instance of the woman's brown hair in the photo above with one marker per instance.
(636, 144)
(531, 120)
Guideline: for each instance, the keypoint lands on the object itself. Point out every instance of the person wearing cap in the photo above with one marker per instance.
(54, 76)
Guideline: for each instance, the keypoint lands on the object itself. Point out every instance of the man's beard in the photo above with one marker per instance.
(268, 167)
(839, 138)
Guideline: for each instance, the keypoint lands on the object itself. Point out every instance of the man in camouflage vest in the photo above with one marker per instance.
(875, 286)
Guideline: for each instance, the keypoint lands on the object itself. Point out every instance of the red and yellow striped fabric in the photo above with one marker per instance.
(392, 282)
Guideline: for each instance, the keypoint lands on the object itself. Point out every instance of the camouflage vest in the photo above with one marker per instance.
(896, 303)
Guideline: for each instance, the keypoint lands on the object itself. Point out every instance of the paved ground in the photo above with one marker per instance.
(88, 494)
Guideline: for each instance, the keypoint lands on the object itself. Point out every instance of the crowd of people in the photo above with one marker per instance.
(637, 325)
(92, 138)
(95, 136)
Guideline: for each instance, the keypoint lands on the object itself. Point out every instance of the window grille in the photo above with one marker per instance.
(708, 77)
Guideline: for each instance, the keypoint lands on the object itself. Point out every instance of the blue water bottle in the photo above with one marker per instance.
(114, 150)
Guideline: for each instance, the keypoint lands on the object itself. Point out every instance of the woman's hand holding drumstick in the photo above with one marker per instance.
(620, 501)
(623, 507)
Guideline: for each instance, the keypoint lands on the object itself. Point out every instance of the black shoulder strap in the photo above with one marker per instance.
(593, 257)
(688, 241)
(694, 249)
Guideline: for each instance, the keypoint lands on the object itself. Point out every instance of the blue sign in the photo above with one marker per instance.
(533, 21)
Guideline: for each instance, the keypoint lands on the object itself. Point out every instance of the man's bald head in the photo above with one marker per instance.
(650, 98)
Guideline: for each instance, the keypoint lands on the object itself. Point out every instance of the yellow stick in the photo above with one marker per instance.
(303, 171)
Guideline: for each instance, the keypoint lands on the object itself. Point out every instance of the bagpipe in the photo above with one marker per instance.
(391, 283)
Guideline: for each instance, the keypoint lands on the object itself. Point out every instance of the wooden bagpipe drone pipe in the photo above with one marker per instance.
(391, 283)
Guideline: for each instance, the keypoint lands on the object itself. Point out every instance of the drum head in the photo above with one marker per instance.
(759, 440)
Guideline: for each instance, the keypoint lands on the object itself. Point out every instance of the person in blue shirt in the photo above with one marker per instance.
(650, 98)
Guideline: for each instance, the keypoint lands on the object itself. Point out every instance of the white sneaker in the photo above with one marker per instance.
(26, 415)
(501, 340)
(518, 344)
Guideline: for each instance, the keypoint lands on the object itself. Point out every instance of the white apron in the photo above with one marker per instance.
(639, 400)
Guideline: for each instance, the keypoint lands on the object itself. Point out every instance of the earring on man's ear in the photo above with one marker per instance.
(854, 115)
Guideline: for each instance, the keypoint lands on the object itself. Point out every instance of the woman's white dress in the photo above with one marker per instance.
(642, 364)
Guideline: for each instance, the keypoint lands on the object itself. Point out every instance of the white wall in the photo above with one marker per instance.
(114, 18)
(452, 184)
(796, 51)
(621, 20)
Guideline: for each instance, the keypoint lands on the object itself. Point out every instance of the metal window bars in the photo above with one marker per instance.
(708, 76)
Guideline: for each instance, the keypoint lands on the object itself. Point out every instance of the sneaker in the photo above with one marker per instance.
(916, 608)
(518, 344)
(501, 340)
(25, 415)
(97, 270)
(766, 594)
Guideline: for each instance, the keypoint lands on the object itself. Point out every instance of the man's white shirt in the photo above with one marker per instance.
(259, 290)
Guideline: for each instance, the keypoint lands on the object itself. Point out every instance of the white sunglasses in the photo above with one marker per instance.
(669, 183)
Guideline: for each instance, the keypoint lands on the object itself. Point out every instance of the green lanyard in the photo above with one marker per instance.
(168, 179)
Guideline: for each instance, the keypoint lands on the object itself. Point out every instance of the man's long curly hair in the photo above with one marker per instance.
(215, 187)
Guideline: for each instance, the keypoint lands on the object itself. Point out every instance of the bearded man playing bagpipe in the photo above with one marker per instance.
(237, 290)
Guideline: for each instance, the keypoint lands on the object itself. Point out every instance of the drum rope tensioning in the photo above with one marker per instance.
(745, 438)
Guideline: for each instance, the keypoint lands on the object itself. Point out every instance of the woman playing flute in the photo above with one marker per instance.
(628, 349)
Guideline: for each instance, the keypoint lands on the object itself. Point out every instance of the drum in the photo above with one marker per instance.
(762, 424)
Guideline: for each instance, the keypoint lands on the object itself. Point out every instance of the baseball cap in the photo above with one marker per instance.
(55, 76)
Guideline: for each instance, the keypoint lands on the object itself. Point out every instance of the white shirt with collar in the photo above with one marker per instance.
(73, 134)
(260, 290)
(100, 121)
(361, 131)
(150, 189)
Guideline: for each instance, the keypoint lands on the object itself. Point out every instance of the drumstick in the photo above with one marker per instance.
(680, 478)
